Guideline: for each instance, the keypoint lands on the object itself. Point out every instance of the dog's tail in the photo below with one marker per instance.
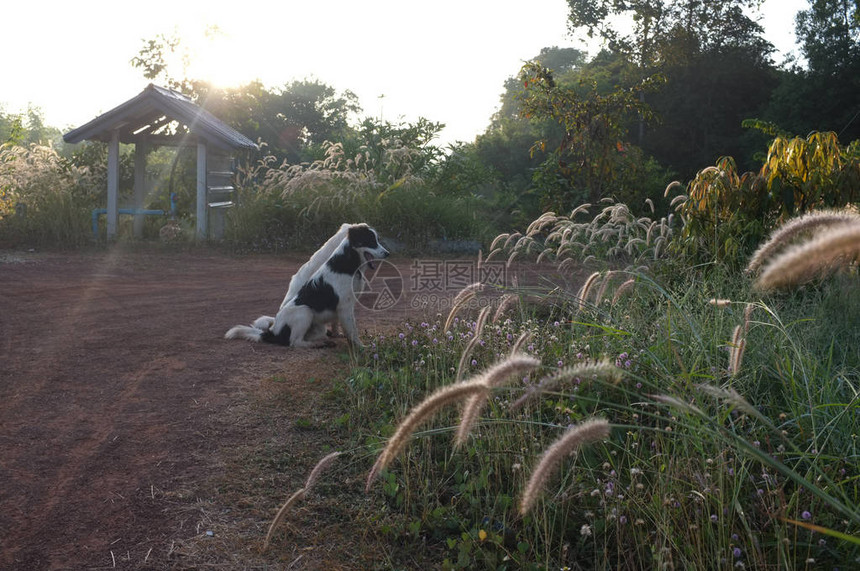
(254, 334)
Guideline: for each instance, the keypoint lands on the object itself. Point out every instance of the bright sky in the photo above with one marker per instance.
(446, 60)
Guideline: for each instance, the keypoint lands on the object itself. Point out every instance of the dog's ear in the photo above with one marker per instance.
(360, 235)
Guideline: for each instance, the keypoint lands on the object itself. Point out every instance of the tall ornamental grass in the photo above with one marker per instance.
(295, 206)
(723, 435)
(44, 199)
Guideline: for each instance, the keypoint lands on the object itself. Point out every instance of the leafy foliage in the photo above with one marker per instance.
(813, 172)
(726, 212)
(591, 158)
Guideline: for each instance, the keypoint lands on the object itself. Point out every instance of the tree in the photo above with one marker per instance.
(301, 113)
(592, 158)
(823, 96)
(705, 50)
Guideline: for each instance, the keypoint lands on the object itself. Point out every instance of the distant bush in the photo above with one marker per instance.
(299, 206)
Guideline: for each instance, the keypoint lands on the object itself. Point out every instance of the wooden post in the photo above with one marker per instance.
(140, 149)
(202, 199)
(113, 186)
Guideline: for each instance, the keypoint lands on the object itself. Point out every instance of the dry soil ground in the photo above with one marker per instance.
(112, 365)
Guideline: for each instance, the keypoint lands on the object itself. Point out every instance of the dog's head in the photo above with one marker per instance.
(364, 240)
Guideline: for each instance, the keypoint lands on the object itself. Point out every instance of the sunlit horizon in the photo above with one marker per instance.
(447, 63)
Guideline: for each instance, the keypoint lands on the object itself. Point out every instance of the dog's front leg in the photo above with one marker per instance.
(346, 316)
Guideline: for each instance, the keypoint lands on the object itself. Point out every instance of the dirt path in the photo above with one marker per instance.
(112, 364)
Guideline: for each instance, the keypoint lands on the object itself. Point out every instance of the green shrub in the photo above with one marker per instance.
(300, 206)
(726, 213)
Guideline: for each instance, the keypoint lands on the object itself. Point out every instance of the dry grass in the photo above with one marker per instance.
(592, 430)
(829, 250)
(808, 223)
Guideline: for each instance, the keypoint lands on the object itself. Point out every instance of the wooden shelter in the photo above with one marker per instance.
(145, 121)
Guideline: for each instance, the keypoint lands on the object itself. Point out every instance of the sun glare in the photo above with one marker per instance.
(216, 57)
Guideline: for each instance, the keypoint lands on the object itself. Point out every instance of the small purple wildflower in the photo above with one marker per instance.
(806, 515)
(414, 342)
(737, 552)
(474, 362)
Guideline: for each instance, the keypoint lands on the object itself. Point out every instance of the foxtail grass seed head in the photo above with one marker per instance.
(465, 295)
(505, 303)
(582, 208)
(604, 369)
(518, 365)
(493, 253)
(731, 396)
(678, 200)
(677, 403)
(716, 302)
(420, 414)
(279, 517)
(603, 285)
(511, 238)
(592, 430)
(622, 289)
(521, 340)
(312, 479)
(566, 265)
(498, 239)
(781, 237)
(476, 338)
(747, 315)
(736, 350)
(801, 263)
(586, 289)
(737, 356)
(546, 252)
(672, 185)
(319, 469)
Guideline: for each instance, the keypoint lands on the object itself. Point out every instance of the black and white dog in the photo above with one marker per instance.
(321, 292)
